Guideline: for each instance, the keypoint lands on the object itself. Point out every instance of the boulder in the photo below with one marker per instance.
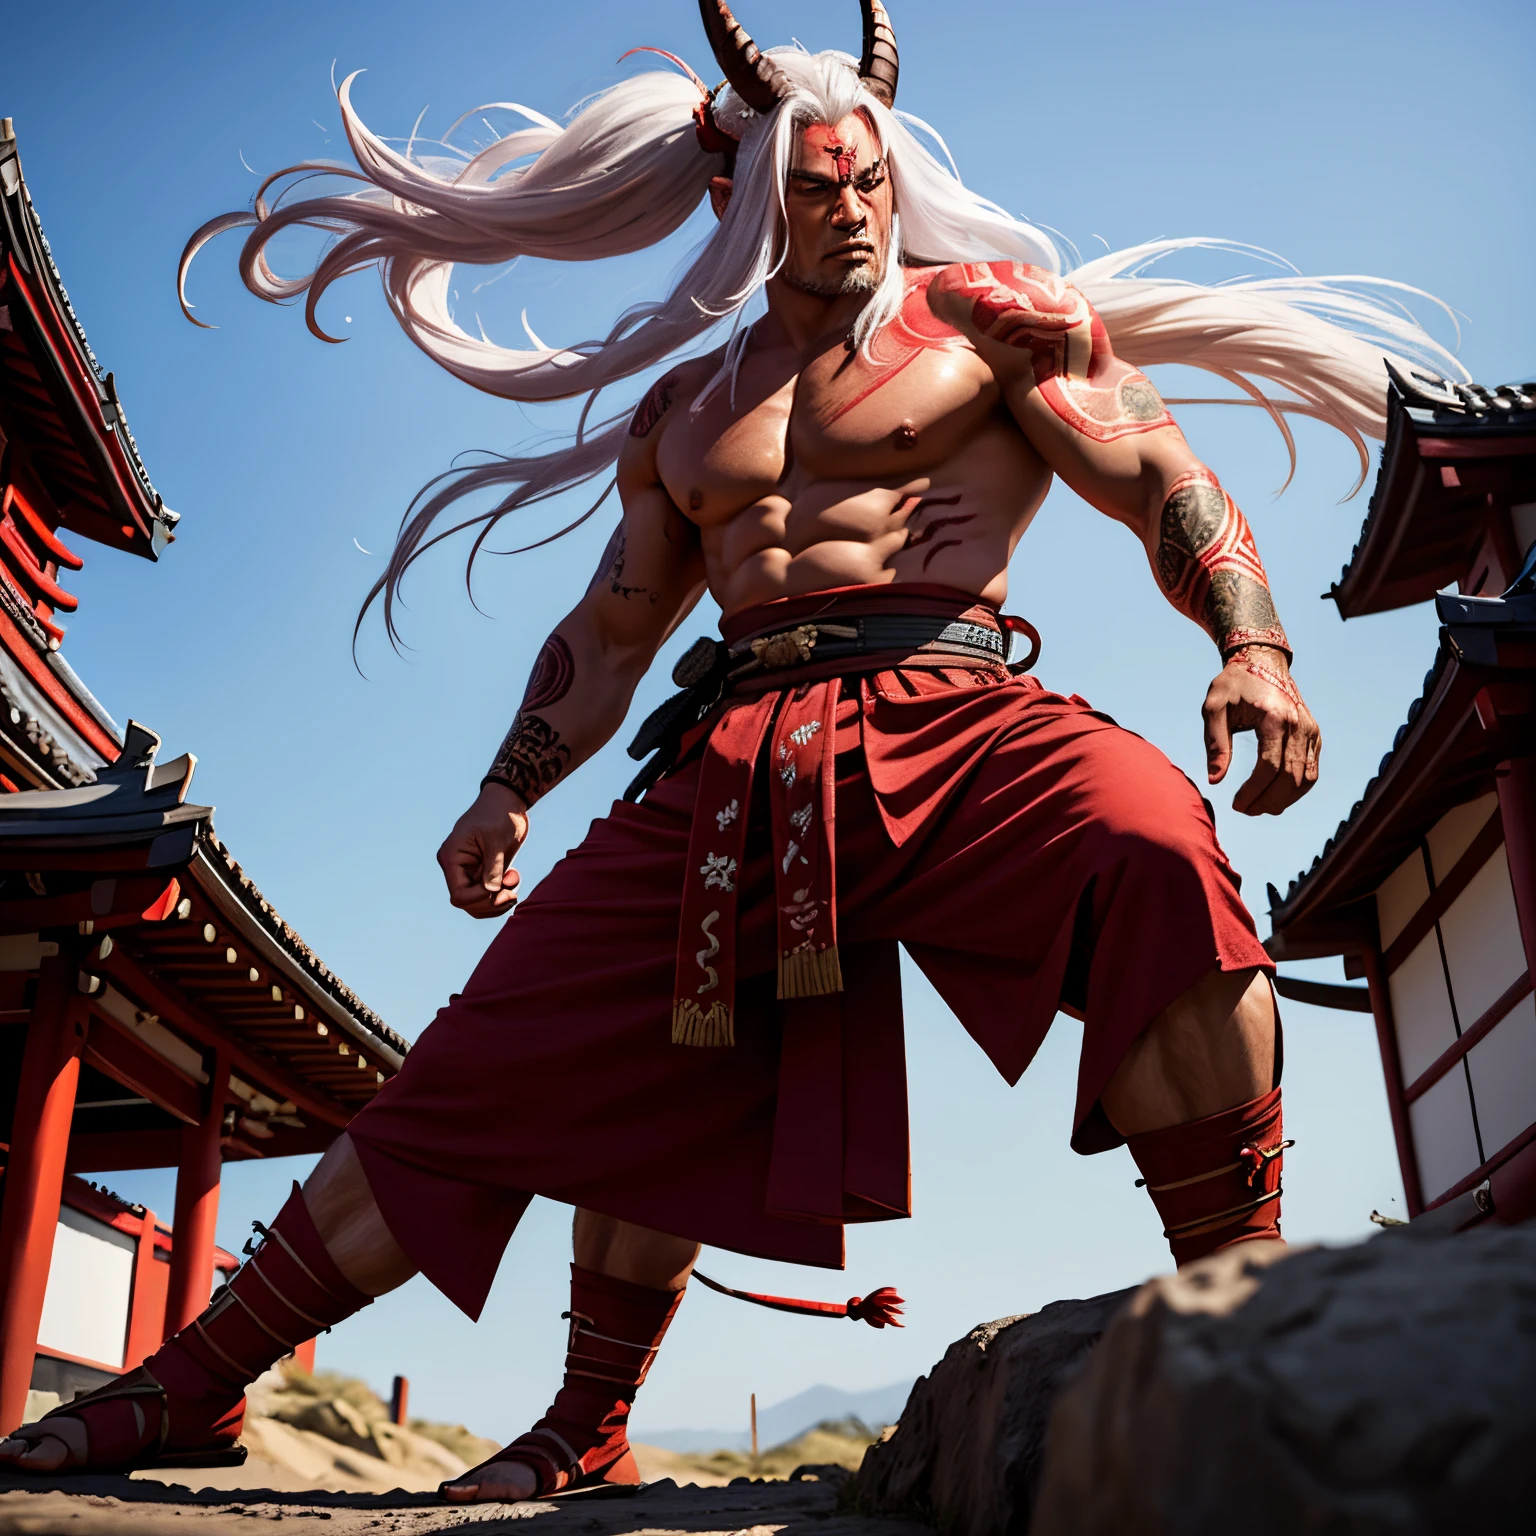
(1383, 1388)
(966, 1454)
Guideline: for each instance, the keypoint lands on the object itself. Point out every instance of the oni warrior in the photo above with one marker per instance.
(691, 1030)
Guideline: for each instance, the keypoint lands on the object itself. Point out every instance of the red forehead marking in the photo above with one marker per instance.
(821, 137)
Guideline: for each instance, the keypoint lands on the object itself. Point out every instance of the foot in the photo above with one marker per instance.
(52, 1445)
(498, 1482)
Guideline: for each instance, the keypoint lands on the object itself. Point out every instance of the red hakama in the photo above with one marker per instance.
(1029, 854)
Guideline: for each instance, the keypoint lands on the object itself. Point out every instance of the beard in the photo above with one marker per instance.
(864, 278)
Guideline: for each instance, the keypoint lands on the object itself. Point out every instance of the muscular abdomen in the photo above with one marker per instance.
(955, 524)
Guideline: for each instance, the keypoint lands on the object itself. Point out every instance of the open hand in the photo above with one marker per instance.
(1255, 692)
(476, 857)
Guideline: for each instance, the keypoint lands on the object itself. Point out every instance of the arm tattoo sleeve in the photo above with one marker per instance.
(1209, 566)
(532, 757)
(1075, 368)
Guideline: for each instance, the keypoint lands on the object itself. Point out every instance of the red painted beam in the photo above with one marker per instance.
(127, 1060)
(177, 1009)
(197, 1205)
(34, 1175)
(54, 548)
(117, 1151)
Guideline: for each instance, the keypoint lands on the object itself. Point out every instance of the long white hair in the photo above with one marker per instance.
(628, 169)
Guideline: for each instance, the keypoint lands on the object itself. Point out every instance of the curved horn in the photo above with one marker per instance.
(746, 68)
(880, 65)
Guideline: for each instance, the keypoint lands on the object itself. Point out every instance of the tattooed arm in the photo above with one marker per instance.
(649, 578)
(1100, 424)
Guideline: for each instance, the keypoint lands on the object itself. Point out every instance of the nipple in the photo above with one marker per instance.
(906, 435)
(695, 499)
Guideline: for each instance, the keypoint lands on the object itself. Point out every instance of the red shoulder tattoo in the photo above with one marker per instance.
(1076, 370)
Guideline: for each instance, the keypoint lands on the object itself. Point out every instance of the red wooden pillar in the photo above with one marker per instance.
(34, 1176)
(197, 1205)
(1517, 807)
(146, 1312)
(1392, 1070)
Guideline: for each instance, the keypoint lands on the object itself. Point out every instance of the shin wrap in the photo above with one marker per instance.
(189, 1396)
(1215, 1181)
(616, 1329)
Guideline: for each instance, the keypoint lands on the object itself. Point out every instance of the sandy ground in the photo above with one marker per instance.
(105, 1506)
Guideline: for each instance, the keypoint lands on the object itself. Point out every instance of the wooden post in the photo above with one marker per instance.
(754, 1431)
(399, 1400)
(34, 1177)
(197, 1205)
(1392, 1071)
(145, 1314)
(1516, 782)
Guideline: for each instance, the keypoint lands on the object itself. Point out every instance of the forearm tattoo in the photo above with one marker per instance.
(1209, 566)
(1075, 368)
(533, 757)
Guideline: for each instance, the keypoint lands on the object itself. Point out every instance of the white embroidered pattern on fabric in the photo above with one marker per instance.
(801, 819)
(718, 869)
(704, 956)
(803, 733)
(724, 818)
(802, 912)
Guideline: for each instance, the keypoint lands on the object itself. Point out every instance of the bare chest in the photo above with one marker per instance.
(901, 408)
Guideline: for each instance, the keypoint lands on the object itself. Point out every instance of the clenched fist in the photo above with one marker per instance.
(1255, 692)
(476, 857)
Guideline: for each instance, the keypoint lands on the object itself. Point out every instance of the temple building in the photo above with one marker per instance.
(1428, 888)
(155, 1010)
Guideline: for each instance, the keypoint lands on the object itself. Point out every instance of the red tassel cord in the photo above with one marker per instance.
(880, 1309)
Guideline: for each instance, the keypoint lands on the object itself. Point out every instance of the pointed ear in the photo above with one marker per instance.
(720, 194)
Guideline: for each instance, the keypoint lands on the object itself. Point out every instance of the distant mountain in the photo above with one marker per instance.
(784, 1421)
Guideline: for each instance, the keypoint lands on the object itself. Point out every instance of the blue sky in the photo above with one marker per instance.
(1364, 137)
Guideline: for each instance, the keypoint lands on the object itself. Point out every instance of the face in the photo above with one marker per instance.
(838, 200)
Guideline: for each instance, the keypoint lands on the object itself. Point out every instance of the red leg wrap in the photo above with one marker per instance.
(1216, 1181)
(190, 1394)
(616, 1329)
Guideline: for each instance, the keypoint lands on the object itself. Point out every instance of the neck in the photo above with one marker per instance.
(804, 318)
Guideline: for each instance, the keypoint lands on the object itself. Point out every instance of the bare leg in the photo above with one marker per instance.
(1212, 1049)
(627, 1252)
(1206, 1051)
(342, 1207)
(610, 1247)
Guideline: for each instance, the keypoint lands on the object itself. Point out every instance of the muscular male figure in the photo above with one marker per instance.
(691, 1031)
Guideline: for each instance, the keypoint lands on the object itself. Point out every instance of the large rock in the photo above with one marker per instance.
(966, 1454)
(1383, 1388)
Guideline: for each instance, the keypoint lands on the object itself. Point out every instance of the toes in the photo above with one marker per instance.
(46, 1454)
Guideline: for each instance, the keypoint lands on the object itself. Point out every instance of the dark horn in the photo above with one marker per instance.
(880, 65)
(746, 68)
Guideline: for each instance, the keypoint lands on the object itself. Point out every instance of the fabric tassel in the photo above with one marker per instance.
(880, 1309)
(692, 1024)
(810, 973)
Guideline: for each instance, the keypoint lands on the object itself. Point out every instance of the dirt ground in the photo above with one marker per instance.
(106, 1506)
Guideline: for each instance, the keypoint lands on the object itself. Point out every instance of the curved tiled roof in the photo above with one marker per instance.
(1407, 559)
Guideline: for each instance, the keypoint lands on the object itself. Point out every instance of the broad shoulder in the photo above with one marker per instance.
(971, 295)
(672, 392)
